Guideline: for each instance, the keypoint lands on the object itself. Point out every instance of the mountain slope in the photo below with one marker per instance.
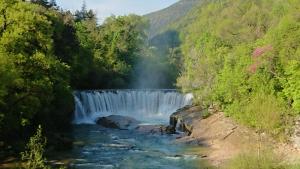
(161, 19)
(165, 29)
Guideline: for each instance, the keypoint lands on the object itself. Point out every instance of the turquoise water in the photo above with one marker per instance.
(96, 148)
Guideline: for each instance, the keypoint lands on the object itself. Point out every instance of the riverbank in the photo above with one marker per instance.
(224, 139)
(215, 139)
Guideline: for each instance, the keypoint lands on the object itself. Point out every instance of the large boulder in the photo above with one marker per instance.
(118, 122)
(184, 119)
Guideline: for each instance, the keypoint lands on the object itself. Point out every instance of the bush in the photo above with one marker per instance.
(33, 156)
(262, 111)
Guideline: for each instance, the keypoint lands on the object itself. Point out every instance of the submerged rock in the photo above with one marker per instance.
(118, 122)
(156, 129)
(170, 130)
(150, 129)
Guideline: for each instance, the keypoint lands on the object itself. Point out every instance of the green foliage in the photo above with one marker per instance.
(45, 3)
(33, 77)
(34, 154)
(244, 56)
(46, 53)
(7, 76)
(84, 14)
(161, 20)
(261, 111)
(33, 157)
(162, 58)
(292, 84)
(109, 51)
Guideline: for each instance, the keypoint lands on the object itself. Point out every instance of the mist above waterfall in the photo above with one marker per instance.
(154, 106)
(159, 64)
(150, 73)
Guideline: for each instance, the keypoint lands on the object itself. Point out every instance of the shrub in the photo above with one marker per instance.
(292, 84)
(262, 111)
(33, 156)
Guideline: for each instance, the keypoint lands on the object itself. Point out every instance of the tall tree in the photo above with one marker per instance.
(44, 3)
(40, 80)
(52, 3)
(84, 14)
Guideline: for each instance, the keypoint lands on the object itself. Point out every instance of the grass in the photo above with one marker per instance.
(264, 160)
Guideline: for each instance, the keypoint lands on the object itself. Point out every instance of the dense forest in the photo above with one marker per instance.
(47, 53)
(237, 56)
(242, 57)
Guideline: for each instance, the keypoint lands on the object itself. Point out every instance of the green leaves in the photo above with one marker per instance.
(244, 56)
(27, 29)
(292, 84)
(45, 51)
(109, 51)
(29, 72)
(34, 154)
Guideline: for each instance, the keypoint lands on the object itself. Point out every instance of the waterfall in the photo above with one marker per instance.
(149, 106)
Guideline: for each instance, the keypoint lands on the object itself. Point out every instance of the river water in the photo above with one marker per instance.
(96, 147)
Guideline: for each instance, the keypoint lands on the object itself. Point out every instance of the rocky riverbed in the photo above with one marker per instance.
(218, 137)
(223, 138)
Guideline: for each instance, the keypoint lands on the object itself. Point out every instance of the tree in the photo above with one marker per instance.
(245, 60)
(45, 54)
(52, 3)
(84, 14)
(44, 3)
(110, 50)
(40, 82)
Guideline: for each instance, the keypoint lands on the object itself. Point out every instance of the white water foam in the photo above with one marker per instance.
(151, 106)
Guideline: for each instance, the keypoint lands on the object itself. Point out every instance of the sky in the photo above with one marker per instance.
(106, 8)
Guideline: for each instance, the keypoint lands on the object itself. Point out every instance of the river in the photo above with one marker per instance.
(99, 147)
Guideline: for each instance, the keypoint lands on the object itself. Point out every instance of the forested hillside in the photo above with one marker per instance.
(47, 53)
(237, 56)
(161, 19)
(243, 57)
(163, 38)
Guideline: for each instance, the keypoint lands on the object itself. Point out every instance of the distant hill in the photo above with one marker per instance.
(161, 19)
(165, 29)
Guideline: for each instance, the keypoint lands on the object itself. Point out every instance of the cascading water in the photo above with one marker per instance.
(153, 106)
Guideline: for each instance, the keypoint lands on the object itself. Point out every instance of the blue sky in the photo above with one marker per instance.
(105, 8)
